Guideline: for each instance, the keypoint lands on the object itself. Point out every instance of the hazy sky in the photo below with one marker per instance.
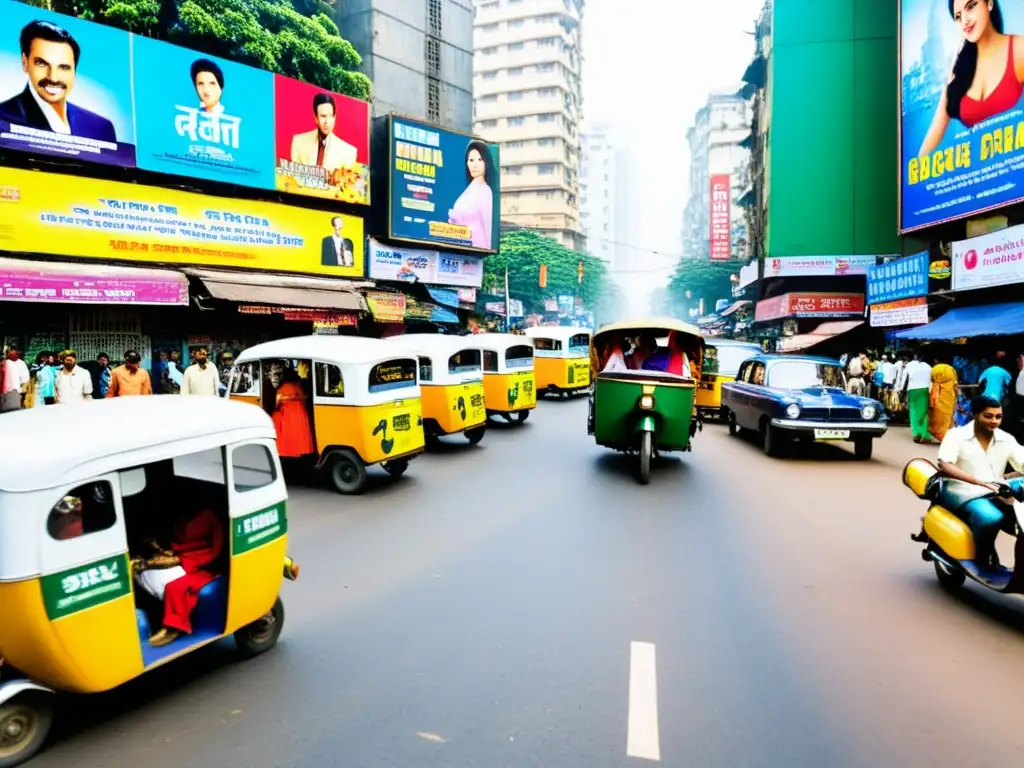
(648, 66)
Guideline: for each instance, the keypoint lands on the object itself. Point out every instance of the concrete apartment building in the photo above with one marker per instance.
(527, 98)
(604, 196)
(419, 55)
(719, 142)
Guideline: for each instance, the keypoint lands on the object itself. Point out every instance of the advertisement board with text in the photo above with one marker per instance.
(900, 279)
(989, 260)
(387, 262)
(721, 203)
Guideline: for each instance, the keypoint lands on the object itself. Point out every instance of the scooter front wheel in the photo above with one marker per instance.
(949, 579)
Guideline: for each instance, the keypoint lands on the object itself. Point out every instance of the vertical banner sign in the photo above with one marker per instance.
(720, 202)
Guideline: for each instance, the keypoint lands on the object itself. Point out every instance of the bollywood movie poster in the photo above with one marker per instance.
(202, 116)
(961, 118)
(445, 187)
(69, 93)
(322, 142)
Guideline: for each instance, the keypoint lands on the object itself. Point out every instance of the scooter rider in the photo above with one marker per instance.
(978, 453)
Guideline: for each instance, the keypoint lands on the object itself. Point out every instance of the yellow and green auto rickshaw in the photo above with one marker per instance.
(643, 397)
(561, 359)
(722, 359)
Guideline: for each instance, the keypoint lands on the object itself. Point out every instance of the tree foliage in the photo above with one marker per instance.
(523, 252)
(299, 40)
(703, 279)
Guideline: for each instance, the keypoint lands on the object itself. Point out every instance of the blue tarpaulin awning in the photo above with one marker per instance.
(988, 320)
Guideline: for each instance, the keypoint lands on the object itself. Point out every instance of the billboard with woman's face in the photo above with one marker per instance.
(962, 119)
(445, 189)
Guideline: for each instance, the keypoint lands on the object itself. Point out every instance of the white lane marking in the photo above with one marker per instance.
(642, 732)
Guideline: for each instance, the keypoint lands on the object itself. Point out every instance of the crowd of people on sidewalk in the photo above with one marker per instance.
(935, 391)
(58, 378)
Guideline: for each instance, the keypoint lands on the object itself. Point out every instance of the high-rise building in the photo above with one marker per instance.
(718, 143)
(604, 196)
(527, 98)
(418, 54)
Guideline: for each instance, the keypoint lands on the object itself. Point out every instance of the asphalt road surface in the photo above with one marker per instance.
(527, 603)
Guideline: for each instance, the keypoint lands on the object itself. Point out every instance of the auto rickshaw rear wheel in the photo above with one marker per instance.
(396, 468)
(347, 471)
(260, 636)
(475, 435)
(25, 723)
(522, 416)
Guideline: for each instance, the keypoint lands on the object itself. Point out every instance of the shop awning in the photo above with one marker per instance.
(64, 282)
(735, 307)
(283, 290)
(988, 320)
(823, 332)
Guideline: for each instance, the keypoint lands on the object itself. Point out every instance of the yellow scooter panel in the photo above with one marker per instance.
(949, 533)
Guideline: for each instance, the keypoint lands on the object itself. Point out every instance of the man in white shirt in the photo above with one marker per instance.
(978, 453)
(919, 383)
(72, 385)
(15, 381)
(201, 378)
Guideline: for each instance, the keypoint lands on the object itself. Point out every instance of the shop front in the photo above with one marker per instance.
(797, 321)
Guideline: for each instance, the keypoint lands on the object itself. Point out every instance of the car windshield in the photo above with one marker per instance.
(797, 374)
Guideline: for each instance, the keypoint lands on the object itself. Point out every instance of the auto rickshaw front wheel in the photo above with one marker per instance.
(347, 472)
(260, 636)
(25, 723)
(646, 452)
(396, 468)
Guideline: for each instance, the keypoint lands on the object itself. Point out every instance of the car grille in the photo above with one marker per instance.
(844, 414)
(814, 413)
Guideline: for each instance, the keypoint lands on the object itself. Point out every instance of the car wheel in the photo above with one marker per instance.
(862, 448)
(771, 440)
(730, 420)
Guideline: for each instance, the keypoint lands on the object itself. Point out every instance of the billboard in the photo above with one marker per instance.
(989, 260)
(386, 262)
(89, 218)
(322, 142)
(903, 312)
(901, 279)
(721, 201)
(69, 92)
(444, 187)
(960, 151)
(803, 305)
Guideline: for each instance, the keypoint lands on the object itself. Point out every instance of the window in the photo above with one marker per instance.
(548, 117)
(547, 92)
(489, 28)
(466, 361)
(797, 374)
(579, 344)
(757, 374)
(246, 379)
(252, 466)
(491, 74)
(512, 170)
(513, 145)
(89, 508)
(488, 123)
(547, 67)
(394, 374)
(515, 46)
(519, 356)
(426, 369)
(546, 42)
(515, 95)
(490, 362)
(489, 98)
(548, 345)
(516, 121)
(329, 381)
(489, 51)
(545, 170)
(545, 142)
(515, 23)
(515, 71)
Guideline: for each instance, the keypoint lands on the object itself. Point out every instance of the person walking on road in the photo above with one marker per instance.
(855, 375)
(72, 385)
(129, 379)
(201, 378)
(942, 401)
(15, 381)
(919, 383)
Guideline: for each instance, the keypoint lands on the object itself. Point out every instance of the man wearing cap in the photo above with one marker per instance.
(130, 379)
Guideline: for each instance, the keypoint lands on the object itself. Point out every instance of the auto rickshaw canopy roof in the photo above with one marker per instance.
(339, 350)
(653, 324)
(431, 344)
(556, 332)
(502, 342)
(75, 443)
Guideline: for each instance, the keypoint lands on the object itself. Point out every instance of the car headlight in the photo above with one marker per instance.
(793, 411)
(868, 412)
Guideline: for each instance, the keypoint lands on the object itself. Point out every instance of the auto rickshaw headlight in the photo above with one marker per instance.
(868, 412)
(793, 411)
(647, 402)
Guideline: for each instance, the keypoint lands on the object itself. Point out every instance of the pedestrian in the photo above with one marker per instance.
(72, 385)
(919, 383)
(129, 379)
(201, 378)
(942, 399)
(996, 380)
(43, 375)
(855, 375)
(887, 370)
(15, 384)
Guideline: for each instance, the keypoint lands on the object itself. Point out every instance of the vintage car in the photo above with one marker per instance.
(788, 397)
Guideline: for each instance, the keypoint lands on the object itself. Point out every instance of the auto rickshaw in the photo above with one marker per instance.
(80, 521)
(451, 384)
(561, 359)
(343, 402)
(722, 359)
(643, 397)
(509, 383)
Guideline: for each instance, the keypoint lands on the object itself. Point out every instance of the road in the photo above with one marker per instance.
(488, 608)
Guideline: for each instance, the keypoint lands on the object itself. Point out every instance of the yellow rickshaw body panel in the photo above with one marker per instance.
(255, 584)
(88, 651)
(354, 425)
(709, 390)
(563, 372)
(510, 392)
(455, 407)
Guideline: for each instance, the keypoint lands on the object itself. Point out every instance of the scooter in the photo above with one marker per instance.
(949, 541)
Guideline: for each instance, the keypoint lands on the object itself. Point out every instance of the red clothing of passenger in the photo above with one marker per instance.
(197, 543)
(1002, 99)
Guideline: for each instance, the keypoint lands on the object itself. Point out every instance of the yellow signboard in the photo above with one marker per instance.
(88, 218)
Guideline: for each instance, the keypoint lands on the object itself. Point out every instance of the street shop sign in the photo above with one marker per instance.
(302, 314)
(901, 279)
(65, 284)
(896, 313)
(409, 265)
(993, 259)
(386, 307)
(817, 266)
(816, 305)
(721, 202)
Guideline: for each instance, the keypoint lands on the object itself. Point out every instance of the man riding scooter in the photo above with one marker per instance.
(978, 453)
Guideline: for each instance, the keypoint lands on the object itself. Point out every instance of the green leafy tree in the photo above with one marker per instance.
(696, 279)
(298, 40)
(523, 252)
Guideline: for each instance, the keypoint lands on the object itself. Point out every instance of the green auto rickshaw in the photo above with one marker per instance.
(645, 373)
